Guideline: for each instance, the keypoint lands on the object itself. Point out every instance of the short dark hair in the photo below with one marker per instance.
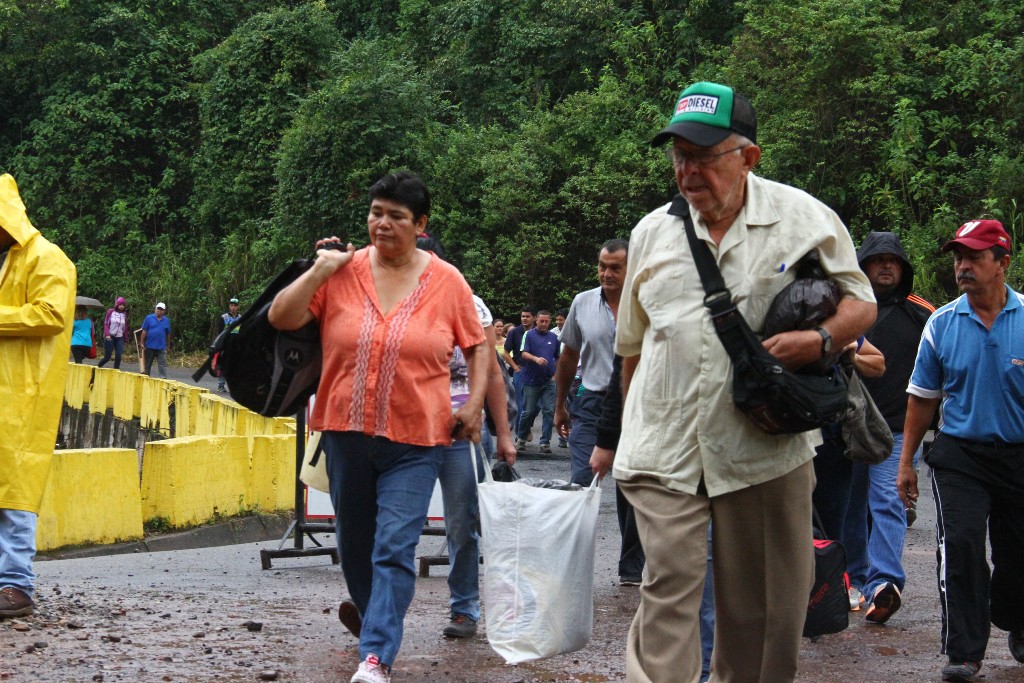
(615, 244)
(428, 242)
(561, 312)
(998, 252)
(528, 309)
(406, 188)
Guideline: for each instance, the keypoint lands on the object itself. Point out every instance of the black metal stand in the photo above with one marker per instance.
(300, 526)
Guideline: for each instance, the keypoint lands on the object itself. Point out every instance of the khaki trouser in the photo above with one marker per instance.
(763, 568)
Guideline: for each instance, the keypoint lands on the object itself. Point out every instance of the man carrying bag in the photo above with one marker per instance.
(688, 455)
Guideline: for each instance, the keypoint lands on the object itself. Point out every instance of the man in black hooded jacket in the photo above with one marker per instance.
(874, 557)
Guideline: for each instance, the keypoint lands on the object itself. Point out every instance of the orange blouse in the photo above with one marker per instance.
(387, 375)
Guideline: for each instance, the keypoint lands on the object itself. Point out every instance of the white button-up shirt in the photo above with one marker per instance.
(679, 421)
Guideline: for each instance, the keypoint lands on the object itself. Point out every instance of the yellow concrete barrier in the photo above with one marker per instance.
(225, 460)
(101, 394)
(77, 385)
(127, 393)
(273, 471)
(92, 496)
(193, 479)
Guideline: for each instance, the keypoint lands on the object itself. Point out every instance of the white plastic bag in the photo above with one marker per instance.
(315, 475)
(538, 549)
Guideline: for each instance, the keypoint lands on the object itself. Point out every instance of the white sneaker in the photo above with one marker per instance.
(856, 599)
(372, 671)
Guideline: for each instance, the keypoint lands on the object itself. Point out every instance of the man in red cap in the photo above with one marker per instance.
(971, 358)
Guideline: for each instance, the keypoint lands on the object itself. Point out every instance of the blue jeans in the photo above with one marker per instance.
(113, 346)
(875, 527)
(517, 384)
(707, 617)
(380, 491)
(538, 399)
(487, 442)
(460, 472)
(17, 548)
(586, 411)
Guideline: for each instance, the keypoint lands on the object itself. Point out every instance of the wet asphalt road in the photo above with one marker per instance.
(182, 616)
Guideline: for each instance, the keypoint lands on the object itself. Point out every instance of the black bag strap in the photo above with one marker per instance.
(732, 329)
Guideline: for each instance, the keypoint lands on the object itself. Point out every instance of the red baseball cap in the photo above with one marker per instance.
(979, 235)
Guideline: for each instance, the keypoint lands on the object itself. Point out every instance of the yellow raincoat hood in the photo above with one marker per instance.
(37, 306)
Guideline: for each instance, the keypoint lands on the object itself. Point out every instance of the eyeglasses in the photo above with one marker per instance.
(679, 157)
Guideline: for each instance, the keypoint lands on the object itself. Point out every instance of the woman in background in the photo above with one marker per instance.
(81, 334)
(115, 324)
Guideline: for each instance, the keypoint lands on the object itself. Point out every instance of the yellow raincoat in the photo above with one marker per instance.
(37, 307)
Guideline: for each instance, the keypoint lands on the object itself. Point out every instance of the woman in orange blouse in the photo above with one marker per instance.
(390, 315)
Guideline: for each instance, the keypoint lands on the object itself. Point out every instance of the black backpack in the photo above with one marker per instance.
(269, 371)
(828, 609)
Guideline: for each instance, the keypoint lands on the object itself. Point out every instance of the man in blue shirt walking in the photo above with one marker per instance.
(971, 359)
(540, 353)
(156, 337)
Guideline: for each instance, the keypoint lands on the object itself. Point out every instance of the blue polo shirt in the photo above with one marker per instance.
(978, 373)
(157, 330)
(544, 346)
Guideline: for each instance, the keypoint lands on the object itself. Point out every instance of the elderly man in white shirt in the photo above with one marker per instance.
(687, 455)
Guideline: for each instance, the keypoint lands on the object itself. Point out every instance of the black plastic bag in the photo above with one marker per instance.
(804, 304)
(502, 471)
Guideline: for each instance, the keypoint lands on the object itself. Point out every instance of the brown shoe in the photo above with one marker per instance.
(15, 602)
(348, 615)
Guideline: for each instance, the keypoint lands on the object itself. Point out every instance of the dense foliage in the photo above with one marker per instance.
(184, 151)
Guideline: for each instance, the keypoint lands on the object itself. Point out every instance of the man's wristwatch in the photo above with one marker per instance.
(826, 341)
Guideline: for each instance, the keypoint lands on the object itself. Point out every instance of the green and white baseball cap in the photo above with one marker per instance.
(707, 113)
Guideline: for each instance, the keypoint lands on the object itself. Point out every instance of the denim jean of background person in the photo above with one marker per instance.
(873, 529)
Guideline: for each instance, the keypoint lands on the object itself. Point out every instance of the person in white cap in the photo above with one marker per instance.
(156, 339)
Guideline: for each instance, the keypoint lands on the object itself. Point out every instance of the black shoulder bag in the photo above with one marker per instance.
(775, 399)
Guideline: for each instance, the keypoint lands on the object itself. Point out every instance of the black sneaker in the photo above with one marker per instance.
(460, 626)
(1016, 642)
(630, 580)
(960, 671)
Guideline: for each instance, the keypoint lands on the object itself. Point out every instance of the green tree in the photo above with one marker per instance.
(249, 88)
(378, 113)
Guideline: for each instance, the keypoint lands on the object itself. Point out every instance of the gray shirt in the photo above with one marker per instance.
(590, 329)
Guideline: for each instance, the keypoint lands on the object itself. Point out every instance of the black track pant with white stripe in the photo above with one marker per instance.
(977, 485)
